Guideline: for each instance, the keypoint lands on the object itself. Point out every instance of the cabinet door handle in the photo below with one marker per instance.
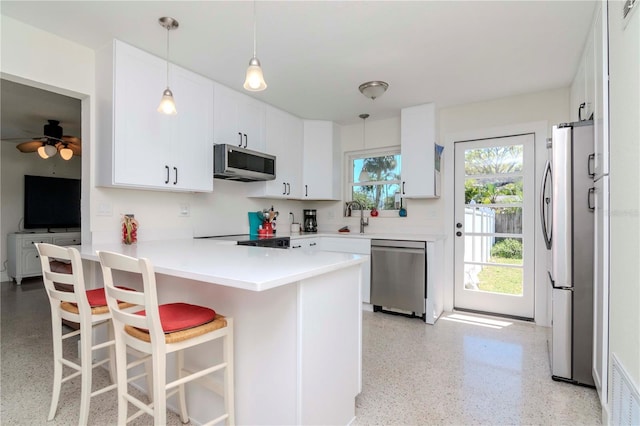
(240, 135)
(167, 180)
(284, 188)
(246, 139)
(580, 109)
(312, 244)
(175, 169)
(403, 187)
(306, 190)
(288, 189)
(296, 246)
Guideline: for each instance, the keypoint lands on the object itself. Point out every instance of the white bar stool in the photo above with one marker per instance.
(159, 330)
(86, 307)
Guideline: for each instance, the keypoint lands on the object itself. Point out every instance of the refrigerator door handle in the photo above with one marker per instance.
(591, 161)
(590, 197)
(546, 228)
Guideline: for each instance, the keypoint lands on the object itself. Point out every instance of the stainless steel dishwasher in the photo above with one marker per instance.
(398, 276)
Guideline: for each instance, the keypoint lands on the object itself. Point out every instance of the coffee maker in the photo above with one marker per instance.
(310, 222)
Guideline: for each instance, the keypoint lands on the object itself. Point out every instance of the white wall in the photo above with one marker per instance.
(530, 113)
(69, 71)
(624, 290)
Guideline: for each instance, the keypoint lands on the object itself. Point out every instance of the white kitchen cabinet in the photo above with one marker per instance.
(312, 243)
(140, 147)
(321, 163)
(601, 109)
(352, 245)
(22, 256)
(238, 119)
(420, 170)
(284, 140)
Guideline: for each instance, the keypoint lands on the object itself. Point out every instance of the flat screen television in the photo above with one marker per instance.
(51, 202)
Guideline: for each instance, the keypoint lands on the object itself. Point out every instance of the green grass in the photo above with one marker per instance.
(500, 279)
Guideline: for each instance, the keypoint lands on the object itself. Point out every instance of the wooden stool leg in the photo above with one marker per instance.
(56, 326)
(181, 391)
(86, 367)
(159, 389)
(228, 374)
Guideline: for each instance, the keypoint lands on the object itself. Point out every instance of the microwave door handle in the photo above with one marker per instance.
(546, 179)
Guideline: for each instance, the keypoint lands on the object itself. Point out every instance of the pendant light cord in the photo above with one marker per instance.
(168, 29)
(254, 28)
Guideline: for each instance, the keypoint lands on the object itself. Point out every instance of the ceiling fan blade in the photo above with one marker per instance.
(71, 139)
(30, 146)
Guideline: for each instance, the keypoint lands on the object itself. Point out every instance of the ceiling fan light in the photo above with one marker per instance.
(254, 81)
(42, 152)
(50, 150)
(66, 153)
(373, 89)
(167, 104)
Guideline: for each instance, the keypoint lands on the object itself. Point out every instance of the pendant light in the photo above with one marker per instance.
(364, 174)
(254, 81)
(167, 104)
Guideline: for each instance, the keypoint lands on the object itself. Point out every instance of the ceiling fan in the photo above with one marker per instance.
(53, 142)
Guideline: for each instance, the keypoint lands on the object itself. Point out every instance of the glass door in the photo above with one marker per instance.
(494, 219)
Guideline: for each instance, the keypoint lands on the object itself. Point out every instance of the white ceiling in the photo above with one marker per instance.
(316, 53)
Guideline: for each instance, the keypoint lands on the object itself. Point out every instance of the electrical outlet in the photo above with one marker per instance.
(184, 210)
(105, 209)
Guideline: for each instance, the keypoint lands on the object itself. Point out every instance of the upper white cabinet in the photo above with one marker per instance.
(321, 161)
(238, 119)
(284, 140)
(140, 147)
(420, 165)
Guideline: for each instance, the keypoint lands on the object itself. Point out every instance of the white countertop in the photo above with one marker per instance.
(243, 267)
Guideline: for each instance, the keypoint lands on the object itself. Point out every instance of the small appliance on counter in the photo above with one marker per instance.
(310, 222)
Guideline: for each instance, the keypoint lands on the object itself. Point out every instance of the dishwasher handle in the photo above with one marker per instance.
(407, 250)
(399, 244)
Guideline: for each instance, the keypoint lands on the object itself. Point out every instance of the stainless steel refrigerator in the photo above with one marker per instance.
(567, 209)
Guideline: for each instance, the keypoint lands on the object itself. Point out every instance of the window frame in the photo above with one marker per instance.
(350, 156)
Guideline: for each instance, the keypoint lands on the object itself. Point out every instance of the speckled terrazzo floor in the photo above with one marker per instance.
(462, 371)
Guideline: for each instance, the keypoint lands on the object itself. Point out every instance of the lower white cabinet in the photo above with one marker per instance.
(22, 256)
(351, 245)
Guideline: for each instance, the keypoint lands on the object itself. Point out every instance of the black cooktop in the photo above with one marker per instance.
(254, 240)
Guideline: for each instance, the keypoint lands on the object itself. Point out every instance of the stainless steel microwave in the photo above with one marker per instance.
(241, 164)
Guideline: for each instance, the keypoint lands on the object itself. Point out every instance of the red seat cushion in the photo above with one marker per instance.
(97, 297)
(181, 316)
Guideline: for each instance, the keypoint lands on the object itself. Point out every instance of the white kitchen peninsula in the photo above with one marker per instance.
(297, 320)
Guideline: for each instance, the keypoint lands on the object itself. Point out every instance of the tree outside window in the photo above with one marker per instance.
(384, 170)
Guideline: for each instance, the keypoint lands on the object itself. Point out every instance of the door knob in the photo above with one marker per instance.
(459, 234)
(458, 225)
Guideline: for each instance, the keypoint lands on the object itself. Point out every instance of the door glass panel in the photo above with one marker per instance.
(493, 160)
(493, 190)
(499, 220)
(486, 249)
(493, 279)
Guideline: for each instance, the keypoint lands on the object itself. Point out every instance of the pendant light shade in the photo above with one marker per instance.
(167, 103)
(254, 81)
(364, 174)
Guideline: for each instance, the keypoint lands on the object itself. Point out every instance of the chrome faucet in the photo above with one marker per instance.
(363, 223)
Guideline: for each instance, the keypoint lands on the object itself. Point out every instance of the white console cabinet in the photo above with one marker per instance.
(23, 259)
